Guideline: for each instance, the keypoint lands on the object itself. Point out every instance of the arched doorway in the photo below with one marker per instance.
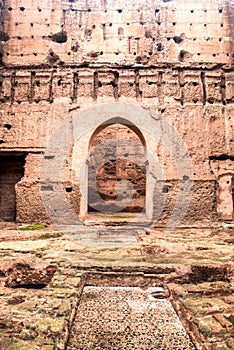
(117, 168)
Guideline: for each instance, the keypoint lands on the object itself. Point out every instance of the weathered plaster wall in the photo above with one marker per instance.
(175, 57)
(145, 32)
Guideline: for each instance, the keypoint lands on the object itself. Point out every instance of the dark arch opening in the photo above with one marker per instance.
(117, 168)
(118, 120)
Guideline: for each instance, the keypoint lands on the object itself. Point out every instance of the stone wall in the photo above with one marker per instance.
(148, 32)
(173, 57)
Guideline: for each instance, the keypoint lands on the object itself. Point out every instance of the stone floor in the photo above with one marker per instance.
(126, 318)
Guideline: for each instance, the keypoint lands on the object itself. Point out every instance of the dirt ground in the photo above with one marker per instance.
(195, 266)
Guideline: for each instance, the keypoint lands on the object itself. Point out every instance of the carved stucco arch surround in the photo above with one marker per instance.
(86, 122)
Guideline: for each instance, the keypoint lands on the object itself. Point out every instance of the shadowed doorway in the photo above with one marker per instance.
(117, 170)
(11, 171)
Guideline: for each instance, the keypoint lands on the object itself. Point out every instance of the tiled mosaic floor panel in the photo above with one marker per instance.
(119, 318)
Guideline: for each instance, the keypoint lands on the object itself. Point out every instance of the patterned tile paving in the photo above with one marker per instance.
(119, 318)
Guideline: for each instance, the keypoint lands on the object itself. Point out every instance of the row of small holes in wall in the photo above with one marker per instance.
(133, 53)
(174, 24)
(192, 11)
(177, 40)
(21, 8)
(22, 55)
(141, 23)
(31, 24)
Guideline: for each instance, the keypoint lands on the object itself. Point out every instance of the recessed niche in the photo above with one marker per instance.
(69, 189)
(177, 39)
(22, 8)
(8, 126)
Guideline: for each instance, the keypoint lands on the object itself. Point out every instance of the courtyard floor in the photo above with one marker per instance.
(193, 265)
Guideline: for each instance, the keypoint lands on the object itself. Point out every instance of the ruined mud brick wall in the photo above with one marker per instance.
(175, 57)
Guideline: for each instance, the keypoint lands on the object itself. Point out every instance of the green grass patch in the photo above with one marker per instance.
(33, 227)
